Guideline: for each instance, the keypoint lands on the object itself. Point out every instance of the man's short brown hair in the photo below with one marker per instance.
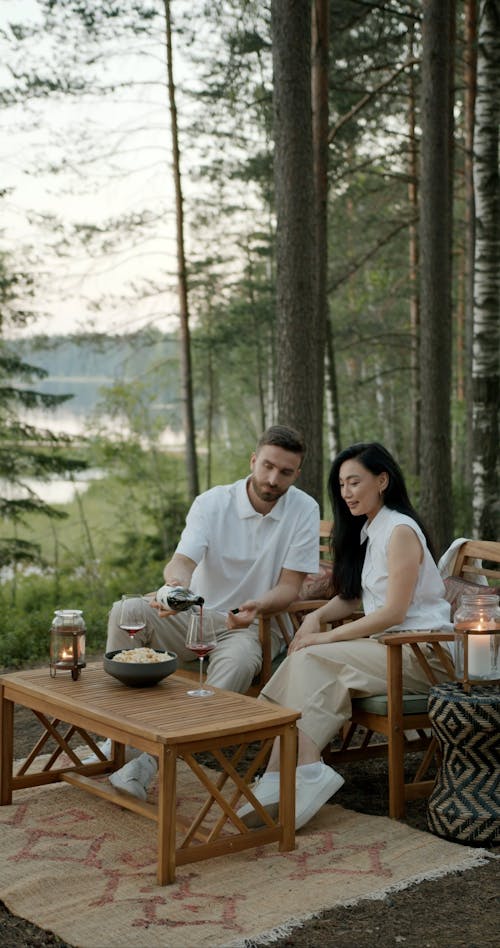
(283, 437)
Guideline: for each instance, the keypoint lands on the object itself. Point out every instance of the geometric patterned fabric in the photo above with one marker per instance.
(464, 805)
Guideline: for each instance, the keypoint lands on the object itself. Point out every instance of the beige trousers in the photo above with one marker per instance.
(321, 680)
(232, 665)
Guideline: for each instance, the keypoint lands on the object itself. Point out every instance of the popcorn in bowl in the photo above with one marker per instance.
(142, 655)
(140, 667)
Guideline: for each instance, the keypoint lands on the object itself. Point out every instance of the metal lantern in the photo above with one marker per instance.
(67, 642)
(477, 635)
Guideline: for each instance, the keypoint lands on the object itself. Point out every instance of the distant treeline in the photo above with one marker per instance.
(84, 365)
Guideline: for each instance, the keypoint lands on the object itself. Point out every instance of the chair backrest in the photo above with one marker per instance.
(325, 529)
(476, 558)
(476, 569)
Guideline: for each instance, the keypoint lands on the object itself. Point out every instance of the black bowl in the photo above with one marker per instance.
(140, 674)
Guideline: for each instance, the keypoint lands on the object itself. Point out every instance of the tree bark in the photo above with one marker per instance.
(435, 272)
(320, 118)
(413, 262)
(332, 396)
(300, 331)
(470, 55)
(486, 351)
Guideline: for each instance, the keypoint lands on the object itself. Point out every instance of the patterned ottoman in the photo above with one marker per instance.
(465, 803)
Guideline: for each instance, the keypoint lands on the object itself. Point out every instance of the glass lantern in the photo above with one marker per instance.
(67, 642)
(477, 635)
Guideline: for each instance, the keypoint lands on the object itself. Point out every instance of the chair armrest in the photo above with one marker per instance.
(396, 640)
(406, 638)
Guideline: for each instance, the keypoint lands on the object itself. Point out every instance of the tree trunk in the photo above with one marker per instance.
(435, 272)
(319, 87)
(413, 262)
(300, 332)
(332, 396)
(486, 353)
(470, 56)
(186, 368)
(260, 347)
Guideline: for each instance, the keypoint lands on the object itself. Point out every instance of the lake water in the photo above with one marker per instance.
(54, 491)
(62, 421)
(60, 490)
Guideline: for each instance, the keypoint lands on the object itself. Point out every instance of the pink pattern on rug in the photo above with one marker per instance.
(325, 844)
(87, 871)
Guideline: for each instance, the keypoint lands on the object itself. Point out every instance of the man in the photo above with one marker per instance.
(245, 546)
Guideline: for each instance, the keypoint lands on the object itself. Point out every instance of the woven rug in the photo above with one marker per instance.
(86, 870)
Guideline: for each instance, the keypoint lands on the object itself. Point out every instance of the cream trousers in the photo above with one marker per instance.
(321, 680)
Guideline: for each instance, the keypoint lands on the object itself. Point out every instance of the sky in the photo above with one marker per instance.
(83, 162)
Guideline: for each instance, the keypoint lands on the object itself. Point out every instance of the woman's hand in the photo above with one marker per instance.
(309, 633)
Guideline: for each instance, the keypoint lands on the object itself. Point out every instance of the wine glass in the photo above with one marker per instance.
(201, 640)
(132, 615)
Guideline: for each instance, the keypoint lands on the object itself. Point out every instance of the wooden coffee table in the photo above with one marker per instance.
(165, 722)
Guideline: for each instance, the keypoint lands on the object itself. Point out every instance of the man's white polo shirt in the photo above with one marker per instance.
(240, 553)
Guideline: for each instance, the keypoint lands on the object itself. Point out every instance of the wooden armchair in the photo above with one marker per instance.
(401, 717)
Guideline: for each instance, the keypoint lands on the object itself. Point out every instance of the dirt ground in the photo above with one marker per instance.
(460, 910)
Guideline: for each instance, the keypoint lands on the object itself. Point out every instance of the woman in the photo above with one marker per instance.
(383, 564)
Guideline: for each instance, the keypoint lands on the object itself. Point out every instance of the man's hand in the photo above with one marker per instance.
(243, 616)
(162, 610)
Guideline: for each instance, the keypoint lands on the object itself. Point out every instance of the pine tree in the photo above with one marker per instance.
(26, 451)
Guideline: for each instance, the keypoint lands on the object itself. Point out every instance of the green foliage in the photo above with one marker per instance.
(26, 451)
(24, 638)
(226, 118)
(114, 538)
(110, 543)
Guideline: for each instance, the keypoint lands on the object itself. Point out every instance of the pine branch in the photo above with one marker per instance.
(359, 106)
(372, 252)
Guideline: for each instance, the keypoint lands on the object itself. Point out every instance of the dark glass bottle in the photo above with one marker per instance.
(178, 598)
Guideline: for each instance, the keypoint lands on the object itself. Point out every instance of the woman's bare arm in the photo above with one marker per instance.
(404, 556)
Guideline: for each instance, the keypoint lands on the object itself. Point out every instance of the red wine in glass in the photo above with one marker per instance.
(132, 618)
(201, 648)
(133, 629)
(201, 640)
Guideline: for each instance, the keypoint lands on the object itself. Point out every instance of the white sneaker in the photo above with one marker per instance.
(105, 747)
(135, 777)
(267, 791)
(310, 795)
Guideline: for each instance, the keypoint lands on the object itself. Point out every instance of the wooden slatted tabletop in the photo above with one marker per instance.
(163, 713)
(164, 721)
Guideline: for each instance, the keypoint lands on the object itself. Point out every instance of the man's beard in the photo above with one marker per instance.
(264, 493)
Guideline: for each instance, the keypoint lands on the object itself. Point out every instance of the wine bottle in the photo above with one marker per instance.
(178, 598)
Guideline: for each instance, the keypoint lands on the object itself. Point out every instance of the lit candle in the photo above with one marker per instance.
(480, 655)
(66, 654)
(480, 664)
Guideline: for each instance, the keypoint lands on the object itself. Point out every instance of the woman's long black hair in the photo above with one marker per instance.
(348, 553)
